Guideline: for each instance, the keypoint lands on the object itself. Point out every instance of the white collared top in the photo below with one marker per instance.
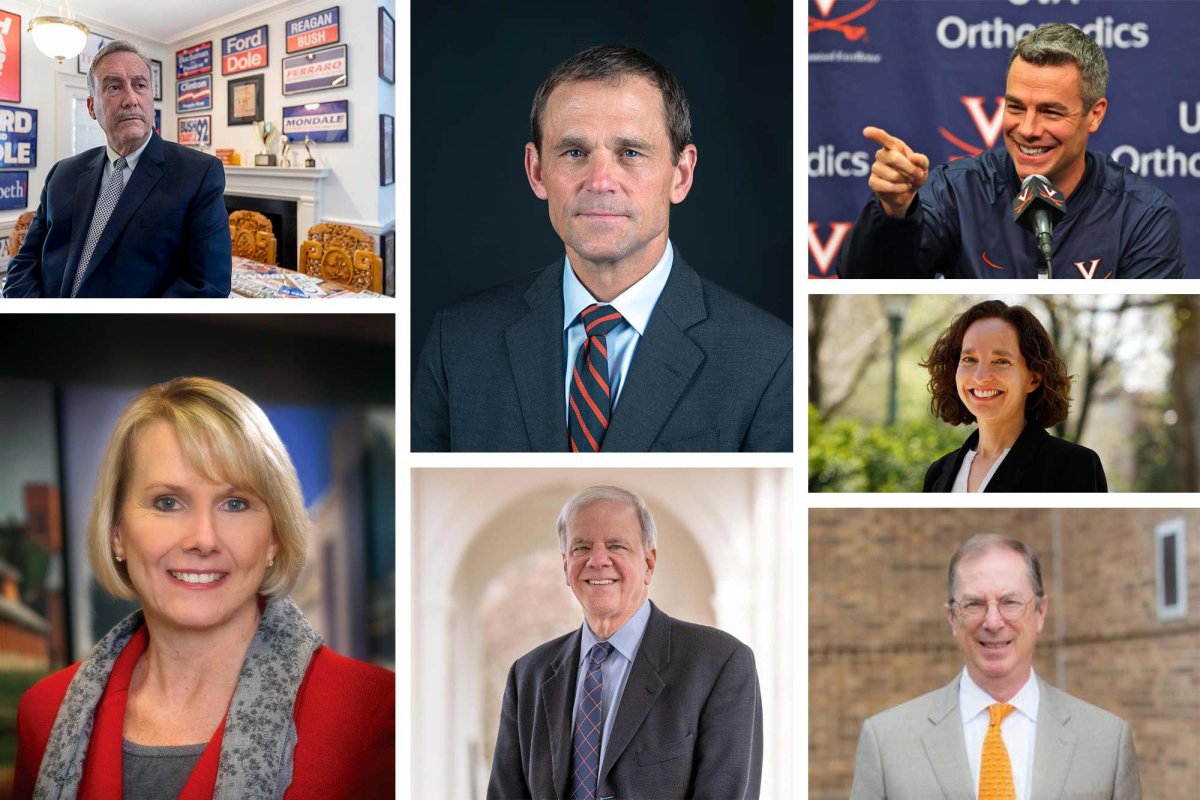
(1019, 729)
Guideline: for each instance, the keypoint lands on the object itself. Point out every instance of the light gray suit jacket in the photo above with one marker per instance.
(916, 751)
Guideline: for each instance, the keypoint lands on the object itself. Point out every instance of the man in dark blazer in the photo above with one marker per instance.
(168, 233)
(683, 365)
(673, 709)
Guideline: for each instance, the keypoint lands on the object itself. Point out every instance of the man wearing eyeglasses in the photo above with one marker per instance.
(997, 731)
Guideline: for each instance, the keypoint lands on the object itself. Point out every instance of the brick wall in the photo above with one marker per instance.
(878, 636)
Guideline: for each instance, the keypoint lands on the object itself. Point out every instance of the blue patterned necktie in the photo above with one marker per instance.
(110, 193)
(590, 396)
(585, 754)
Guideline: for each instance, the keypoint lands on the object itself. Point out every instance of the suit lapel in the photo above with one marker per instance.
(1054, 746)
(944, 744)
(558, 699)
(143, 180)
(663, 365)
(945, 481)
(87, 190)
(535, 355)
(641, 689)
(1015, 465)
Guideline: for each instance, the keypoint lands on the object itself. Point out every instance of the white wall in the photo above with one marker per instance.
(352, 193)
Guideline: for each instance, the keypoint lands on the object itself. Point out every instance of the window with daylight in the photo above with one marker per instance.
(1170, 562)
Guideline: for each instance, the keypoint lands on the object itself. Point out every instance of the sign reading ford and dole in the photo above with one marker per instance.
(244, 51)
(18, 137)
(314, 30)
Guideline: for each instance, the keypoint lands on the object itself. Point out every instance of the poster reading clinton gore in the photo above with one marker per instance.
(918, 99)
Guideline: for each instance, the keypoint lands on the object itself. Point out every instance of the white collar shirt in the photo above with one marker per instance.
(964, 472)
(1019, 729)
(131, 161)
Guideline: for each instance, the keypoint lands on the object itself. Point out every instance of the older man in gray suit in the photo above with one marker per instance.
(997, 731)
(633, 704)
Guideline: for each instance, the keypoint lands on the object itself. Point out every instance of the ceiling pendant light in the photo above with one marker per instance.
(59, 37)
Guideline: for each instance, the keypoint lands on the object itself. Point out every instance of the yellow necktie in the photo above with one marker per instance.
(995, 771)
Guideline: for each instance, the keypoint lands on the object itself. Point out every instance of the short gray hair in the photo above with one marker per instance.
(981, 543)
(614, 494)
(1060, 43)
(115, 46)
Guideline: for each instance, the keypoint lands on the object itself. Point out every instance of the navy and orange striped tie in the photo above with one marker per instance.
(591, 396)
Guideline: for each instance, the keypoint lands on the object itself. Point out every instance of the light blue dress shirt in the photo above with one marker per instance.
(635, 304)
(131, 162)
(614, 670)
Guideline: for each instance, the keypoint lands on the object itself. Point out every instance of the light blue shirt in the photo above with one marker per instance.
(614, 670)
(131, 161)
(635, 304)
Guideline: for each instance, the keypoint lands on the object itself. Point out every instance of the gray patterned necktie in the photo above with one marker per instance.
(110, 193)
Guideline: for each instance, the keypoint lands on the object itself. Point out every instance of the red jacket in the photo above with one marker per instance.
(345, 720)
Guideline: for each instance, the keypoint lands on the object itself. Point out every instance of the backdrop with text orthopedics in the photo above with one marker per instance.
(933, 72)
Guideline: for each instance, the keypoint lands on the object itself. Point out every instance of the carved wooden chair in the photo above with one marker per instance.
(18, 233)
(252, 236)
(344, 254)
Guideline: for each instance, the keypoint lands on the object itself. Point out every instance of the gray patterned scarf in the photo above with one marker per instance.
(260, 734)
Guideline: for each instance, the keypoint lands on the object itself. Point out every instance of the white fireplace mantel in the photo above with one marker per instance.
(302, 185)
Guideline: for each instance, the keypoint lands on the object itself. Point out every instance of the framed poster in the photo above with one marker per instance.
(195, 131)
(387, 253)
(387, 46)
(92, 46)
(321, 122)
(312, 72)
(193, 94)
(10, 66)
(158, 122)
(387, 150)
(194, 60)
(244, 51)
(14, 189)
(245, 100)
(313, 30)
(156, 78)
(18, 137)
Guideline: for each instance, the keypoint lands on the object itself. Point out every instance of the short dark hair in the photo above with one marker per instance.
(1046, 405)
(1059, 43)
(981, 543)
(610, 63)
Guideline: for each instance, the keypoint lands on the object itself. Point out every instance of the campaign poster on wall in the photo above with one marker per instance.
(18, 137)
(321, 122)
(14, 189)
(193, 94)
(195, 60)
(91, 46)
(312, 72)
(10, 57)
(244, 51)
(195, 131)
(158, 122)
(313, 30)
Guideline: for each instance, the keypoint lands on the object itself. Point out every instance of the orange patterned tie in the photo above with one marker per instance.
(995, 771)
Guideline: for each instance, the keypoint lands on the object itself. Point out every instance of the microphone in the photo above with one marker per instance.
(1037, 207)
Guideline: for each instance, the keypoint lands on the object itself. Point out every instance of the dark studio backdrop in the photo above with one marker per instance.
(475, 67)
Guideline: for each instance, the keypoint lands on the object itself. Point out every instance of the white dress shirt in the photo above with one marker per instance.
(1018, 730)
(964, 472)
(635, 304)
(131, 162)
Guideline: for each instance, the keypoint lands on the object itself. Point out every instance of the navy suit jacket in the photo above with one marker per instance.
(167, 237)
(711, 373)
(689, 724)
(1037, 462)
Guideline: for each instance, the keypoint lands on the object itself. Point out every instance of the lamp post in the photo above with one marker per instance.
(894, 308)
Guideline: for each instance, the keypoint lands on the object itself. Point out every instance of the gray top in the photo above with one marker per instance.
(158, 773)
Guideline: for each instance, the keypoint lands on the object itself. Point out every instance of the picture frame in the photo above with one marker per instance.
(316, 70)
(194, 131)
(387, 46)
(14, 189)
(18, 137)
(194, 60)
(387, 150)
(245, 100)
(92, 46)
(156, 78)
(319, 29)
(10, 78)
(327, 122)
(245, 51)
(387, 252)
(194, 94)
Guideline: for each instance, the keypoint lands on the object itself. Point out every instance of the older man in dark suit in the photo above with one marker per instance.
(620, 346)
(634, 704)
(140, 217)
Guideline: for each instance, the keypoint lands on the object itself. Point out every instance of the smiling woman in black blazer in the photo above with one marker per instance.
(996, 366)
